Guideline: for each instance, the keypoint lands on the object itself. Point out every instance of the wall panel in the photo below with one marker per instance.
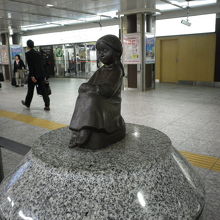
(195, 57)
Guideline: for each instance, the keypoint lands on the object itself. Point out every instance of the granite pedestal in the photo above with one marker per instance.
(140, 177)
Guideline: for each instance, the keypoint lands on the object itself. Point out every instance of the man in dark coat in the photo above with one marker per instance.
(36, 76)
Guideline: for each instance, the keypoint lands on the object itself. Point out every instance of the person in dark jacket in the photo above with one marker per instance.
(36, 76)
(18, 71)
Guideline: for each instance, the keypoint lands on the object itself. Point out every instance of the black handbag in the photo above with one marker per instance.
(39, 92)
(1, 77)
(13, 81)
(47, 88)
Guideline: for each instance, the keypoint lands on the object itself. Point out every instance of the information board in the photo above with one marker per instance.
(150, 50)
(16, 50)
(132, 48)
(4, 55)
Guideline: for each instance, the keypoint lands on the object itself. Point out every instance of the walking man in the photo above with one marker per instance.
(36, 76)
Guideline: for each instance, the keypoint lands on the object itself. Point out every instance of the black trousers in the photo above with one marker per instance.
(30, 93)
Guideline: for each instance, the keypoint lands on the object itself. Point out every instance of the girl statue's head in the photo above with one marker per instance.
(109, 49)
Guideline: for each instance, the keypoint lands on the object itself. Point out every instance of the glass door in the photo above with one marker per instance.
(58, 51)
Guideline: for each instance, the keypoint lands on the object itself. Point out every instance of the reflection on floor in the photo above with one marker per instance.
(188, 115)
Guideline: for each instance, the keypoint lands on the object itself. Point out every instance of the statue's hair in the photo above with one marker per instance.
(113, 42)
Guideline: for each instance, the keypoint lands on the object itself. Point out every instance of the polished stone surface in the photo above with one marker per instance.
(10, 160)
(141, 177)
(170, 108)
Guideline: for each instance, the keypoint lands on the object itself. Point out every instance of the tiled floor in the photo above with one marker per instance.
(189, 115)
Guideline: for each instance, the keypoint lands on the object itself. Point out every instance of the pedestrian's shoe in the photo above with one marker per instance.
(47, 109)
(16, 85)
(23, 103)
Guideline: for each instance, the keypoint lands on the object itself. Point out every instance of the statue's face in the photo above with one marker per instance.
(105, 53)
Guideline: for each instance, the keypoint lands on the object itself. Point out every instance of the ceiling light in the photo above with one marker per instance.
(201, 3)
(94, 18)
(173, 4)
(111, 14)
(164, 7)
(10, 30)
(9, 15)
(49, 5)
(68, 22)
(38, 26)
(157, 13)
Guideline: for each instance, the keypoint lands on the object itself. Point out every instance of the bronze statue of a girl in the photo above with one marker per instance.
(97, 120)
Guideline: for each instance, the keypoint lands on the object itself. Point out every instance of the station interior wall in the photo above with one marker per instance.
(189, 57)
(178, 58)
(186, 58)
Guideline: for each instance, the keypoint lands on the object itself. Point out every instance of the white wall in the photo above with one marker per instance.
(76, 36)
(199, 24)
(165, 27)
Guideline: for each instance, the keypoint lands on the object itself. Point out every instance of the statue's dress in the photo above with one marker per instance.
(99, 101)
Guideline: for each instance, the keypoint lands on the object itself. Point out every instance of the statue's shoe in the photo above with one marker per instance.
(73, 140)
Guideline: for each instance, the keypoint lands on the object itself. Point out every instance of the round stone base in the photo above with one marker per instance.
(140, 177)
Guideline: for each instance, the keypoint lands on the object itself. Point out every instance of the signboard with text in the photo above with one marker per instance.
(132, 48)
(16, 50)
(4, 55)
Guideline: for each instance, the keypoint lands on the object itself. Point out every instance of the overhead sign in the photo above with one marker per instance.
(132, 48)
(59, 52)
(16, 50)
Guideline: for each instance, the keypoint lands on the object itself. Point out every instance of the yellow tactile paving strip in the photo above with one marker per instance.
(50, 125)
(216, 166)
(203, 161)
(199, 160)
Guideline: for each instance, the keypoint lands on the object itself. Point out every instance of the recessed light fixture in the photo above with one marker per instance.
(9, 15)
(38, 26)
(157, 13)
(111, 14)
(49, 5)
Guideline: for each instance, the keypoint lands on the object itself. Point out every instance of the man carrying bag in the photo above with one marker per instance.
(36, 76)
